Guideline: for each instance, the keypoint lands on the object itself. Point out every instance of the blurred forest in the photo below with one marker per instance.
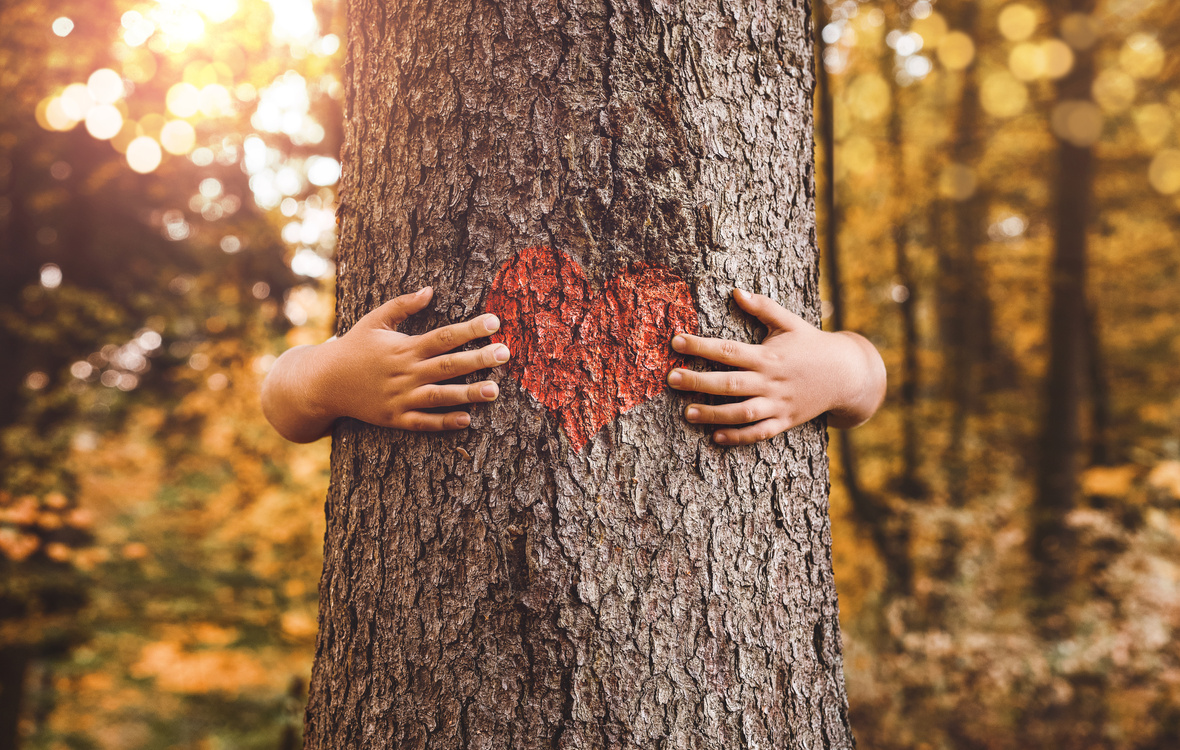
(998, 186)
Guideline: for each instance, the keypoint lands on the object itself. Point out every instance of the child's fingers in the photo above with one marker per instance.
(725, 351)
(431, 396)
(744, 412)
(421, 421)
(755, 433)
(396, 310)
(446, 338)
(461, 363)
(771, 313)
(717, 383)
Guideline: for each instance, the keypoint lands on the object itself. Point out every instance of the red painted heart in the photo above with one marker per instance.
(589, 357)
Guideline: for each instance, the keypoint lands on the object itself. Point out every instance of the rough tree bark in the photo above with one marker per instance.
(508, 586)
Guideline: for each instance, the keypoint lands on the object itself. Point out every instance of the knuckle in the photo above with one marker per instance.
(446, 337)
(732, 383)
(747, 414)
(728, 348)
(447, 366)
(436, 397)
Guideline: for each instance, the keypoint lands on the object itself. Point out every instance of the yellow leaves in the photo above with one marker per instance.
(298, 625)
(178, 670)
(1109, 481)
(1165, 477)
(17, 546)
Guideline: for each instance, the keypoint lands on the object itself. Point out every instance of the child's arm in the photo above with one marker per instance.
(797, 373)
(380, 376)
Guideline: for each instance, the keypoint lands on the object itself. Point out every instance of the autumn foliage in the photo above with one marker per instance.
(167, 207)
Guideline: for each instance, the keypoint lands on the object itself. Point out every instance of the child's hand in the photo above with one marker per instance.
(797, 373)
(378, 375)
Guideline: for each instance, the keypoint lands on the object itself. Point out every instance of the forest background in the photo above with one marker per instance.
(167, 176)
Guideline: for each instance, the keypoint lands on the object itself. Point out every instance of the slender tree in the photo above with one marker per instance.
(1057, 472)
(581, 568)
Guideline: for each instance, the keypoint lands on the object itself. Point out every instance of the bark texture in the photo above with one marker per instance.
(500, 587)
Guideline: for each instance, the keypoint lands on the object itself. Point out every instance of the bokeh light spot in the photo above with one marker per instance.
(932, 29)
(51, 276)
(183, 99)
(1017, 22)
(62, 26)
(105, 86)
(178, 137)
(1154, 123)
(1078, 122)
(868, 96)
(323, 171)
(56, 117)
(143, 154)
(956, 50)
(1027, 61)
(76, 101)
(1002, 95)
(1079, 31)
(1114, 90)
(1059, 58)
(1142, 56)
(1164, 173)
(104, 121)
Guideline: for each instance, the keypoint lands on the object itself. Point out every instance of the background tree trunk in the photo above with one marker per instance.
(500, 587)
(1052, 541)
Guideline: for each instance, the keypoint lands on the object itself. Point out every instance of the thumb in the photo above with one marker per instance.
(773, 315)
(396, 310)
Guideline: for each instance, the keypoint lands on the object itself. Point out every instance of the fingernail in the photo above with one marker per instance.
(741, 293)
(488, 391)
(424, 290)
(463, 420)
(678, 342)
(492, 323)
(721, 437)
(502, 354)
(675, 377)
(692, 413)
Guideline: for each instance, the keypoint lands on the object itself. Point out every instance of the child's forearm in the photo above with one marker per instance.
(289, 395)
(865, 376)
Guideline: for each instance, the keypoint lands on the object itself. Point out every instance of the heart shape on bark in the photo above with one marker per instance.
(586, 356)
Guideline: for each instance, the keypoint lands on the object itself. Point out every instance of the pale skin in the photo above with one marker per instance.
(379, 375)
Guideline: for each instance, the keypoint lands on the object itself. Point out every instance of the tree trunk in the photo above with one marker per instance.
(1052, 542)
(508, 585)
(967, 321)
(14, 668)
